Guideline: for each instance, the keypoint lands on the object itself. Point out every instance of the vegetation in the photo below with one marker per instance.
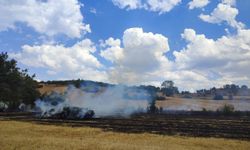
(16, 86)
(229, 89)
(152, 107)
(78, 83)
(227, 109)
(168, 88)
(21, 135)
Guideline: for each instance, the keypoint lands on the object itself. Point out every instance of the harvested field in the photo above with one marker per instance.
(27, 135)
(235, 127)
(176, 103)
(48, 88)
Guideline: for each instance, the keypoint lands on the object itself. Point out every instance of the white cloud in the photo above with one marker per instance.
(143, 51)
(93, 10)
(113, 50)
(198, 3)
(76, 61)
(226, 57)
(224, 12)
(128, 4)
(139, 59)
(46, 17)
(160, 6)
(229, 2)
(141, 54)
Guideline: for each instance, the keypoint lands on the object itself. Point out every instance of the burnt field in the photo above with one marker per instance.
(196, 125)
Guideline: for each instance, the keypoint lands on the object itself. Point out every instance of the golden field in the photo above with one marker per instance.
(24, 135)
(48, 88)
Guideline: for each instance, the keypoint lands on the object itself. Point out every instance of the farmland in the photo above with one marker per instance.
(195, 125)
(33, 135)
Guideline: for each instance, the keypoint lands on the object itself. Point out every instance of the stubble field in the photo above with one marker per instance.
(28, 135)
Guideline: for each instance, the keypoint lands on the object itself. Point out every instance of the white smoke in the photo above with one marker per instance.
(3, 106)
(107, 102)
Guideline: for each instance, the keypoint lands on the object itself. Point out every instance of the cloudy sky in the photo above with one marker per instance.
(195, 43)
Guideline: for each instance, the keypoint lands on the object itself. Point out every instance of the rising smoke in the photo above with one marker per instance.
(109, 102)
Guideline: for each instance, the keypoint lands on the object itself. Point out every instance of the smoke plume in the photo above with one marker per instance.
(110, 101)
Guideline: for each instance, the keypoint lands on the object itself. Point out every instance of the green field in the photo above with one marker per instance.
(24, 135)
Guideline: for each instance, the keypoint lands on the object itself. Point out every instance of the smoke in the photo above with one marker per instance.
(110, 101)
(3, 106)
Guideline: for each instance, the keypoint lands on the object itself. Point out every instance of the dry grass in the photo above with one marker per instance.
(48, 88)
(177, 103)
(22, 135)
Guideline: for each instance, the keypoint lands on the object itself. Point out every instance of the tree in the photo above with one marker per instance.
(152, 108)
(77, 83)
(16, 86)
(167, 84)
(168, 88)
(231, 88)
(244, 87)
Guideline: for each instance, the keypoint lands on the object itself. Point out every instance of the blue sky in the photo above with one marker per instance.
(180, 53)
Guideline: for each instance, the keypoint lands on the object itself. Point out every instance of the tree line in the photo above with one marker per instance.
(16, 85)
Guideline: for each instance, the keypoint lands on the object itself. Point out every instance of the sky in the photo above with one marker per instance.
(195, 43)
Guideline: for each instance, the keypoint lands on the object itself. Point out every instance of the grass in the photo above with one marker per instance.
(52, 87)
(23, 135)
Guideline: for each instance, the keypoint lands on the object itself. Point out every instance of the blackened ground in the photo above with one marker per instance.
(237, 127)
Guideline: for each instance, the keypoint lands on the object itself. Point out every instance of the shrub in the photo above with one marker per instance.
(204, 109)
(152, 107)
(226, 109)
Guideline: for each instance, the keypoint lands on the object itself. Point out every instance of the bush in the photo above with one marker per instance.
(152, 107)
(204, 109)
(226, 109)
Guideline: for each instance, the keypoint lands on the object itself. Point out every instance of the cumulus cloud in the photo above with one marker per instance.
(226, 57)
(113, 51)
(160, 6)
(198, 3)
(224, 12)
(76, 61)
(46, 17)
(142, 53)
(139, 59)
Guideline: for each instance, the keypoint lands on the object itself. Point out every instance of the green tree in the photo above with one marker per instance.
(168, 88)
(16, 86)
